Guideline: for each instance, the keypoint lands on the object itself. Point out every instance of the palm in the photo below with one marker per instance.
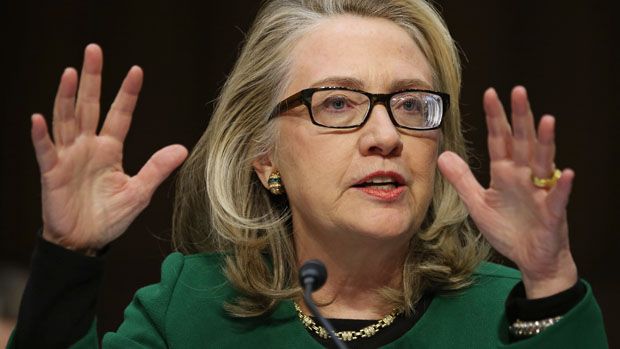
(87, 179)
(88, 200)
(515, 217)
(524, 223)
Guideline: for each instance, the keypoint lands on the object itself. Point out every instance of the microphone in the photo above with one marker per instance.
(312, 276)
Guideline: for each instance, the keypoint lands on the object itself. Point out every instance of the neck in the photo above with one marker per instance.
(358, 267)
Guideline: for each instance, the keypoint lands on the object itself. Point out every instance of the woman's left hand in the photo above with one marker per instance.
(525, 223)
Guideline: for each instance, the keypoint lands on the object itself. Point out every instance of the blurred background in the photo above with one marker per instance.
(565, 52)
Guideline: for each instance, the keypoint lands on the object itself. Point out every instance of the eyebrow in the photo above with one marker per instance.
(347, 81)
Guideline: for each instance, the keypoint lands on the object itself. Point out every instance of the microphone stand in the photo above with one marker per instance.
(312, 276)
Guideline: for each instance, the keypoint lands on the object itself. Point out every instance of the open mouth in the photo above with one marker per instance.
(381, 181)
(379, 184)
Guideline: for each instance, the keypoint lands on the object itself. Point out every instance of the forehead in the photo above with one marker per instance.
(378, 54)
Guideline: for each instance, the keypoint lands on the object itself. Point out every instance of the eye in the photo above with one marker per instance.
(335, 102)
(410, 104)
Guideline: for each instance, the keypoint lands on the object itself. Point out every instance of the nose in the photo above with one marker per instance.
(379, 136)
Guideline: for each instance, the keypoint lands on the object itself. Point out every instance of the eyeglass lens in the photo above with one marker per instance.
(342, 108)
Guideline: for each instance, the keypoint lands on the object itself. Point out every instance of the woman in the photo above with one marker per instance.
(337, 137)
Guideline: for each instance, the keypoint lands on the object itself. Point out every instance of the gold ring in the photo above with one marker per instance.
(547, 183)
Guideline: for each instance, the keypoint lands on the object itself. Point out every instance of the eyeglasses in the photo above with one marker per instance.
(340, 107)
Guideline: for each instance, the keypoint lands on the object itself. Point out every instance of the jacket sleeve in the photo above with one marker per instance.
(59, 301)
(58, 305)
(581, 327)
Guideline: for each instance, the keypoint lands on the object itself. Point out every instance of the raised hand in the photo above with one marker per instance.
(87, 199)
(523, 222)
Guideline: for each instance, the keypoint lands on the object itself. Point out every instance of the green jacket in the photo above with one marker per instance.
(185, 311)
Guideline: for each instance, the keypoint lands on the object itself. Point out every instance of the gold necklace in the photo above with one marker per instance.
(347, 336)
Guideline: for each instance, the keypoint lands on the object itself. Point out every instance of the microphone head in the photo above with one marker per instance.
(312, 273)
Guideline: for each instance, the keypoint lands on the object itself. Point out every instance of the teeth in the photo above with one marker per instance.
(381, 180)
(384, 185)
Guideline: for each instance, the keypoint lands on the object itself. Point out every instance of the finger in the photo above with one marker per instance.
(557, 200)
(499, 134)
(159, 166)
(544, 151)
(457, 172)
(522, 127)
(119, 118)
(43, 146)
(87, 107)
(64, 122)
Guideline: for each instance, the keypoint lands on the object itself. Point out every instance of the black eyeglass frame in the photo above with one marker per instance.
(305, 97)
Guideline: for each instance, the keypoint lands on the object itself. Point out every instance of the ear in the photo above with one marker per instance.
(263, 166)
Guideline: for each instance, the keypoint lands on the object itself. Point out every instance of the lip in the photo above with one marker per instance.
(385, 195)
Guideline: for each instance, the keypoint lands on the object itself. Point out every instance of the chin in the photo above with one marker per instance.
(384, 227)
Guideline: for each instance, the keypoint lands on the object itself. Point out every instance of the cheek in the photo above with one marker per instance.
(307, 159)
(422, 159)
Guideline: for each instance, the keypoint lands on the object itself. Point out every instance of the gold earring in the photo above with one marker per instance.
(274, 183)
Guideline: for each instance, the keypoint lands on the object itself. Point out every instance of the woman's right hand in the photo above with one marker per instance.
(87, 199)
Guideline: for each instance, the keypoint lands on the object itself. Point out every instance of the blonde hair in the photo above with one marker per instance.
(222, 206)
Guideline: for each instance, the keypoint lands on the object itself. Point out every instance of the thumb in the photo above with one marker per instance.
(457, 172)
(159, 167)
